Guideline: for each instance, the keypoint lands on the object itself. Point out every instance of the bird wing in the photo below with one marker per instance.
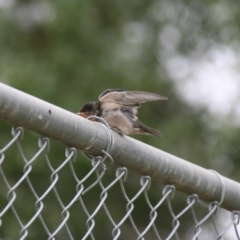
(129, 98)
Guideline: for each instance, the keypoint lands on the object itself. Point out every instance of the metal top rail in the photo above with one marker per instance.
(56, 123)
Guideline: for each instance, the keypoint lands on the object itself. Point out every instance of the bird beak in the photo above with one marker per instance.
(86, 115)
(82, 114)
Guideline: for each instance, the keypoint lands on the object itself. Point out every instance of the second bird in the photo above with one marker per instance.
(119, 108)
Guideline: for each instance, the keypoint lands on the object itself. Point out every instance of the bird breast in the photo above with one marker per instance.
(112, 113)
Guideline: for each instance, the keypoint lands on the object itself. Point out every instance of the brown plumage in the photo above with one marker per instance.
(119, 108)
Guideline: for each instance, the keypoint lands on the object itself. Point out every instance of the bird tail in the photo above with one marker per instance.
(149, 131)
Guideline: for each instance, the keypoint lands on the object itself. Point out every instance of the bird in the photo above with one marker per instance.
(119, 107)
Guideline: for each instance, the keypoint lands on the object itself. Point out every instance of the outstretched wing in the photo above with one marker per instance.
(111, 90)
(129, 98)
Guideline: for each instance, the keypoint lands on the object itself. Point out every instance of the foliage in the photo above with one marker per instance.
(68, 52)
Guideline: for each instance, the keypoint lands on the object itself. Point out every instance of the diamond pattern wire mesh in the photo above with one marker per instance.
(35, 207)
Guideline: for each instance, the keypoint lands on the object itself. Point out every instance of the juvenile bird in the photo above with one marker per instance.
(119, 108)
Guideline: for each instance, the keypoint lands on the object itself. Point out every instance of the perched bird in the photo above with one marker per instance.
(119, 108)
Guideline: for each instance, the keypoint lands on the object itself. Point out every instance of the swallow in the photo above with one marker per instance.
(119, 108)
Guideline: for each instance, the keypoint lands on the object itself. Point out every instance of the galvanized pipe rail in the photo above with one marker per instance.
(46, 119)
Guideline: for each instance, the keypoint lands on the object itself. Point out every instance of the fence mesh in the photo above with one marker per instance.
(75, 196)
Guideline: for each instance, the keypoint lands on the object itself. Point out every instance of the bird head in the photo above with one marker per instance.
(89, 109)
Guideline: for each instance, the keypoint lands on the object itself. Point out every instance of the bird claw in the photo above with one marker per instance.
(117, 130)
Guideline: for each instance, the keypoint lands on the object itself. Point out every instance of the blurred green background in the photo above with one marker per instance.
(68, 52)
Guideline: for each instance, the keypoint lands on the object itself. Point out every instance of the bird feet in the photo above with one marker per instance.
(117, 130)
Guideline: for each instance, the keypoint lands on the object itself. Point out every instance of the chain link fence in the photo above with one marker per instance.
(78, 196)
